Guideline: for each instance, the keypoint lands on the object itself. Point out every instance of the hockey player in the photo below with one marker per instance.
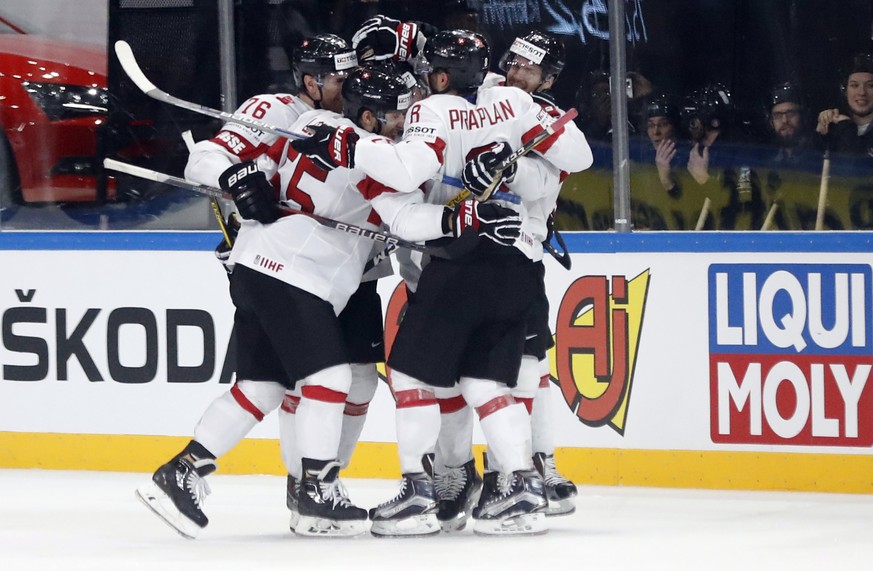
(320, 65)
(440, 339)
(532, 64)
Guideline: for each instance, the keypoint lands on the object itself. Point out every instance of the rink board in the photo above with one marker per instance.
(716, 360)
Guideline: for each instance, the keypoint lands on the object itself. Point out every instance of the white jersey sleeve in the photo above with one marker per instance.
(235, 143)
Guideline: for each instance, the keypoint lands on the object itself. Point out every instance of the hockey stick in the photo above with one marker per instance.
(556, 125)
(823, 191)
(135, 73)
(132, 69)
(188, 138)
(704, 212)
(454, 249)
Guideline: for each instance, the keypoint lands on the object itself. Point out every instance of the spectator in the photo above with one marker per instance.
(850, 132)
(787, 123)
(662, 126)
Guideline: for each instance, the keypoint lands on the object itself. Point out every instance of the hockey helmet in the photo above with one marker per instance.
(662, 105)
(539, 48)
(320, 55)
(711, 105)
(785, 93)
(463, 54)
(377, 88)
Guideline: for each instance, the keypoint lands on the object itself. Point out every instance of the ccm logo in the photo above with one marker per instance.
(241, 174)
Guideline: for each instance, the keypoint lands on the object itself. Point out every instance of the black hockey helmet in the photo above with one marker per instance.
(322, 54)
(377, 88)
(860, 63)
(663, 105)
(463, 54)
(540, 48)
(785, 93)
(711, 105)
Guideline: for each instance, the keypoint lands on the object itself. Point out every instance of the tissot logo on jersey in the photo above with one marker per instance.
(791, 353)
(597, 334)
(479, 117)
(421, 131)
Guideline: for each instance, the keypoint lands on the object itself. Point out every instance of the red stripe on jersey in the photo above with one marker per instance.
(544, 382)
(235, 144)
(495, 404)
(356, 409)
(545, 145)
(439, 147)
(247, 405)
(454, 404)
(290, 403)
(414, 397)
(371, 188)
(323, 394)
(374, 218)
(563, 176)
(527, 402)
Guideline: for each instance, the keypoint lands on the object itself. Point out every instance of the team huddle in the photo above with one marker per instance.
(410, 135)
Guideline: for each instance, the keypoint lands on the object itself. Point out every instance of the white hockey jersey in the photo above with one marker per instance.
(235, 143)
(443, 131)
(299, 250)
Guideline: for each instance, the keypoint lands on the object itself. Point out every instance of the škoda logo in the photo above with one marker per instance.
(597, 334)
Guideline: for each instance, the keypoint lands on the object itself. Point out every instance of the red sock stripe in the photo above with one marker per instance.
(494, 405)
(356, 409)
(454, 404)
(414, 397)
(528, 403)
(245, 403)
(544, 381)
(323, 394)
(289, 403)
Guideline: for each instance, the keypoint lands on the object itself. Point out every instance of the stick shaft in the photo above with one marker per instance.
(704, 212)
(823, 192)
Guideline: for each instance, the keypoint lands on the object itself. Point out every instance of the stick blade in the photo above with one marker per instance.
(128, 62)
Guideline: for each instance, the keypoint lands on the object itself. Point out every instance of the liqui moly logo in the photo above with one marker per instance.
(791, 353)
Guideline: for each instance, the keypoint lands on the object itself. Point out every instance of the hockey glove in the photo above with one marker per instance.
(254, 197)
(382, 38)
(329, 147)
(481, 175)
(499, 224)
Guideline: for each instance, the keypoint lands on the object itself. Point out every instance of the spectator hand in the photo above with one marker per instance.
(254, 196)
(698, 163)
(329, 147)
(828, 116)
(498, 224)
(381, 38)
(481, 175)
(665, 152)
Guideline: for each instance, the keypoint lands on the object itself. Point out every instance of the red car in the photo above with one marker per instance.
(53, 98)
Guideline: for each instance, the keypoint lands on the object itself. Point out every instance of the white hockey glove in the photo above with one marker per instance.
(498, 224)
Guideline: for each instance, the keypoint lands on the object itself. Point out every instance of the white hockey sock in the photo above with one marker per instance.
(365, 379)
(542, 429)
(455, 442)
(231, 416)
(288, 433)
(320, 413)
(504, 422)
(418, 421)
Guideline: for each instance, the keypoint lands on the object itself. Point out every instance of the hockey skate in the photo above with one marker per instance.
(324, 505)
(511, 504)
(458, 491)
(292, 491)
(413, 511)
(559, 490)
(176, 494)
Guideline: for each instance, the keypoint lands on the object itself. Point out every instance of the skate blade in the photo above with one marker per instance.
(414, 526)
(455, 524)
(524, 524)
(162, 506)
(561, 507)
(293, 521)
(310, 526)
